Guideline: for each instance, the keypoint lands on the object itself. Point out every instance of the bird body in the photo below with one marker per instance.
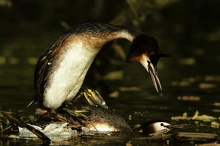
(68, 75)
(61, 70)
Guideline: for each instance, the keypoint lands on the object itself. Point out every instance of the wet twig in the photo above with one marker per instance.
(42, 136)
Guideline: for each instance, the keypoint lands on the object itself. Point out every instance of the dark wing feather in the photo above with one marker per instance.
(41, 74)
(43, 67)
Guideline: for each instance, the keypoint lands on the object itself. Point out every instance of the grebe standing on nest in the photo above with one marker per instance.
(61, 70)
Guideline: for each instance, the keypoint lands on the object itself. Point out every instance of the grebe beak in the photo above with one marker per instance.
(145, 61)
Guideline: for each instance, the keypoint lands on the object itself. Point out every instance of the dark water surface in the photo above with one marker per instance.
(190, 84)
(189, 30)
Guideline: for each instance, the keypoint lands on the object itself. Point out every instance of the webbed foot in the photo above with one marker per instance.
(93, 98)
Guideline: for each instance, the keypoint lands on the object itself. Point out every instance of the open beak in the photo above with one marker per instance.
(145, 61)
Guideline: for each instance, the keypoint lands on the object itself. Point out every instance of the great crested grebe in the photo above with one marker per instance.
(61, 70)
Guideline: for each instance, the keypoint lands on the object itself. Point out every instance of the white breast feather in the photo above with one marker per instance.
(66, 81)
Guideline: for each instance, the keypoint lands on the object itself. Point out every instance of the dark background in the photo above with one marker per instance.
(188, 29)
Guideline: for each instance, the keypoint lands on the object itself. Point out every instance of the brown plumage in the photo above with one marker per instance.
(61, 70)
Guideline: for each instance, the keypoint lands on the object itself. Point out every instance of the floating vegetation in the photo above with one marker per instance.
(63, 124)
(189, 98)
(10, 123)
(196, 116)
(207, 85)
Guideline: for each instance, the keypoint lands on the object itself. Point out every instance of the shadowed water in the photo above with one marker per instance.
(189, 84)
(189, 30)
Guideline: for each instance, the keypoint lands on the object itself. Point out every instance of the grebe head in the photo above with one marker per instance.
(145, 49)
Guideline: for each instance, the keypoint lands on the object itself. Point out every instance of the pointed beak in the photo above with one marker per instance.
(145, 61)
